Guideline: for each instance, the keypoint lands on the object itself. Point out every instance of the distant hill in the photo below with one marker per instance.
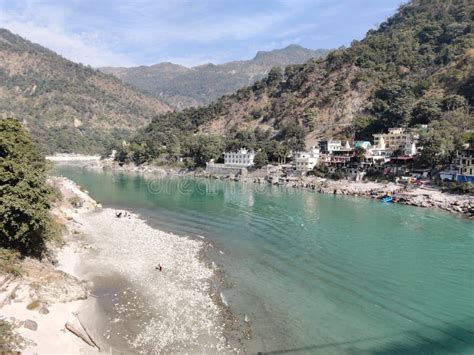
(416, 69)
(183, 87)
(67, 106)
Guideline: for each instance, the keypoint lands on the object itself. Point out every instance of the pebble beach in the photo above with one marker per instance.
(142, 308)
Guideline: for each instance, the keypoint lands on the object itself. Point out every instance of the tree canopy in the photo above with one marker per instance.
(24, 194)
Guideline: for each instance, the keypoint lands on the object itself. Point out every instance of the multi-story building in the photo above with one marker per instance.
(306, 161)
(464, 162)
(396, 139)
(335, 160)
(241, 158)
(329, 146)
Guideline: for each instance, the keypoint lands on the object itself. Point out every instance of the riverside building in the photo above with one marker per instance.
(306, 161)
(241, 158)
(396, 139)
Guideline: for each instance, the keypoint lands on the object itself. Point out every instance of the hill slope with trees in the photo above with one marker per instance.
(416, 68)
(183, 87)
(67, 106)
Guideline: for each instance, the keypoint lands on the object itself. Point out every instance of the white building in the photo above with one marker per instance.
(306, 161)
(330, 145)
(396, 139)
(379, 153)
(241, 158)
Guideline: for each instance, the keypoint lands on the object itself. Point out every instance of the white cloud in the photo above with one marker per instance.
(189, 32)
(47, 28)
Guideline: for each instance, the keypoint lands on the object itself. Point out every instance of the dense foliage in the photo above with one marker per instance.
(415, 69)
(24, 195)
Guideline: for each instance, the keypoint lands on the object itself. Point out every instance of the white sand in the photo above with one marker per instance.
(51, 337)
(72, 157)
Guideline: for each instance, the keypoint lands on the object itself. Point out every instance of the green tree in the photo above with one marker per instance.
(427, 110)
(319, 171)
(275, 76)
(339, 174)
(122, 154)
(439, 144)
(260, 159)
(140, 153)
(24, 195)
(310, 120)
(203, 148)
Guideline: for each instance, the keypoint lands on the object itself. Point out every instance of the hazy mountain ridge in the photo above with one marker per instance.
(65, 105)
(184, 87)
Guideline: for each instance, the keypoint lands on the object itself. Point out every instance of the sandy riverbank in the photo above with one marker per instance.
(127, 305)
(73, 158)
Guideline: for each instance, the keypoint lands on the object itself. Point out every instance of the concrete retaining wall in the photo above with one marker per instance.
(223, 170)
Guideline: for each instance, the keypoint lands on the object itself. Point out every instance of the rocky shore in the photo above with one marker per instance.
(45, 299)
(147, 291)
(423, 196)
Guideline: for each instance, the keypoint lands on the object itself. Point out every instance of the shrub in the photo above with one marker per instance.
(319, 171)
(10, 262)
(456, 187)
(24, 195)
(9, 341)
(261, 159)
(339, 174)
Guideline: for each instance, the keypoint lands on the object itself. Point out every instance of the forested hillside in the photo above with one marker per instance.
(67, 106)
(183, 87)
(416, 68)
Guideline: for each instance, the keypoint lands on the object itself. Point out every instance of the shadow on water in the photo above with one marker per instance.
(454, 339)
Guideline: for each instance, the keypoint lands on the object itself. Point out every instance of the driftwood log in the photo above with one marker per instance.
(87, 333)
(78, 333)
(81, 333)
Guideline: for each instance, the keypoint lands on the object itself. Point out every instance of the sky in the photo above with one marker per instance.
(188, 32)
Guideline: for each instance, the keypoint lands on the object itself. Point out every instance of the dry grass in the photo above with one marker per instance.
(10, 262)
(9, 341)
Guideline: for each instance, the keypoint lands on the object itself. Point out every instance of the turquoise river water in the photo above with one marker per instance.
(319, 274)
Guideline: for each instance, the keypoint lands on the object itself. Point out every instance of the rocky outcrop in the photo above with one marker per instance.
(44, 284)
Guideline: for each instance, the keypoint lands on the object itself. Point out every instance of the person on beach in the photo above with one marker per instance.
(159, 267)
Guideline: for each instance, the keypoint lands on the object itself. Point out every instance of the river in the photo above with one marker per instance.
(318, 274)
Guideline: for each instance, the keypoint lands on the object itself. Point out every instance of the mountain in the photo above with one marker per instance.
(415, 69)
(67, 106)
(183, 87)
